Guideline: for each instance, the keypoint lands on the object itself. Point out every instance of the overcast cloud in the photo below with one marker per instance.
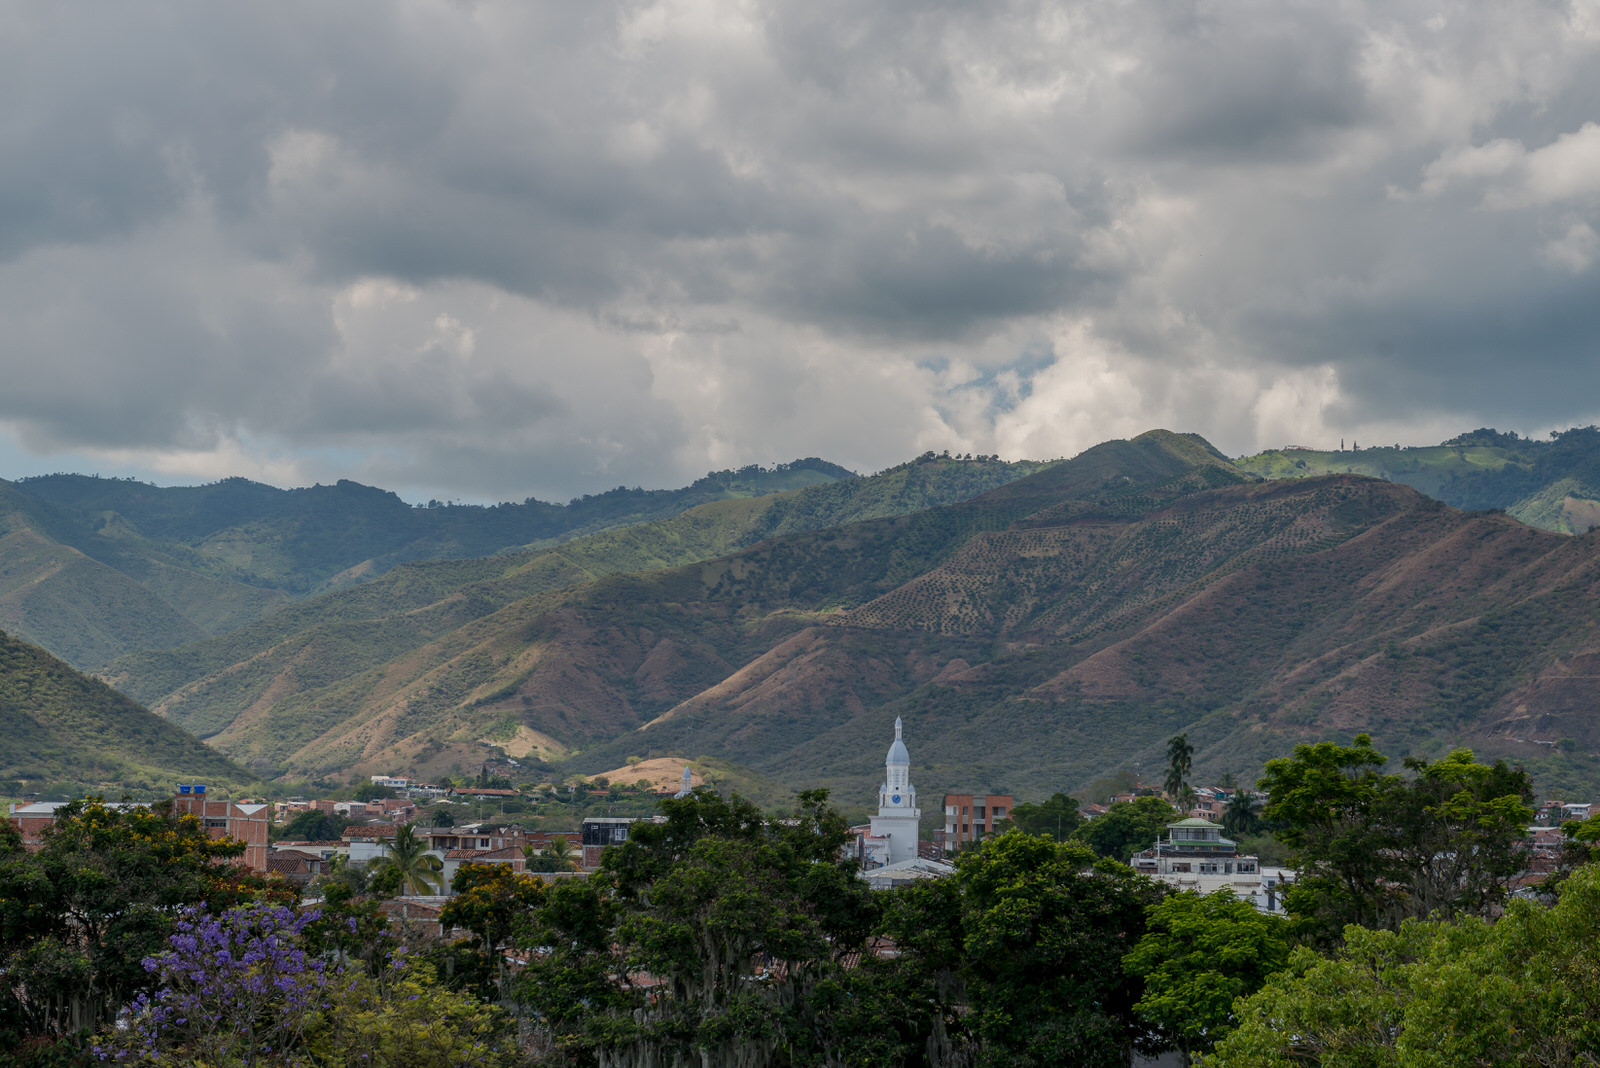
(488, 250)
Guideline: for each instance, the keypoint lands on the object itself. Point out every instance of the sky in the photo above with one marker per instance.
(486, 251)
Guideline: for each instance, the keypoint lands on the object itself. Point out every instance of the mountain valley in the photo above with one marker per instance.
(1036, 626)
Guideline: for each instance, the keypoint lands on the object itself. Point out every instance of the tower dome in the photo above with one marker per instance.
(897, 751)
(896, 823)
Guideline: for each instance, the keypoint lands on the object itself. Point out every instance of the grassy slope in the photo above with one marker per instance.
(94, 568)
(1550, 484)
(63, 727)
(352, 649)
(59, 597)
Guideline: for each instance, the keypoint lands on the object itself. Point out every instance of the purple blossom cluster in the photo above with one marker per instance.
(235, 987)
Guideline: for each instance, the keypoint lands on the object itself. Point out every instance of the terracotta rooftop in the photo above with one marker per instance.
(507, 853)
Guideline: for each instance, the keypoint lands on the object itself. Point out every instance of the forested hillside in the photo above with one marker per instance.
(1553, 484)
(93, 568)
(63, 729)
(1033, 638)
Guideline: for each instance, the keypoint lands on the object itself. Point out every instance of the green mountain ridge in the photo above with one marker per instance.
(62, 727)
(94, 568)
(327, 651)
(1034, 637)
(1039, 625)
(1554, 484)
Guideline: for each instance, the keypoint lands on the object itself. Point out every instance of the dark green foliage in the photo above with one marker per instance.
(1197, 956)
(1180, 759)
(101, 894)
(1242, 816)
(315, 826)
(1376, 849)
(742, 919)
(1127, 827)
(1519, 992)
(1045, 928)
(1484, 470)
(1058, 817)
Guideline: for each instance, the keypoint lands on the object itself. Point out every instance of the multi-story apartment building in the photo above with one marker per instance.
(970, 817)
(245, 823)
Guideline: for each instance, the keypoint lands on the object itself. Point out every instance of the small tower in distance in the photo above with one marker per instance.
(684, 788)
(898, 815)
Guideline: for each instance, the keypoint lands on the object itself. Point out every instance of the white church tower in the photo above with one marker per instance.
(898, 814)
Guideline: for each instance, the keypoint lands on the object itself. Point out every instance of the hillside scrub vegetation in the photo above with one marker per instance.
(1040, 635)
(63, 727)
(1553, 484)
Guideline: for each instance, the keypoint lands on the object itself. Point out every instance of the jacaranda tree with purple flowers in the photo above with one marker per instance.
(99, 895)
(264, 985)
(236, 988)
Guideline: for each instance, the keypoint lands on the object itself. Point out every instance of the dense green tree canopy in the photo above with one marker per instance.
(1199, 953)
(1057, 817)
(1523, 992)
(1374, 848)
(315, 826)
(78, 916)
(1127, 827)
(1045, 927)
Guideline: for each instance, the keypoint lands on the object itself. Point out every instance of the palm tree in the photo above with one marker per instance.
(556, 856)
(1180, 757)
(1243, 814)
(417, 868)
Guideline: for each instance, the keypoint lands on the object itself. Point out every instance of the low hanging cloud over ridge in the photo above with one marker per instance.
(500, 249)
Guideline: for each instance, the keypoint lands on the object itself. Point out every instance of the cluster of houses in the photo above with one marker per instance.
(1192, 853)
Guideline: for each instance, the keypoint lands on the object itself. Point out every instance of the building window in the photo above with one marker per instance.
(217, 823)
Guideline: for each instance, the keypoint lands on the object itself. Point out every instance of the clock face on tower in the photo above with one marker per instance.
(895, 800)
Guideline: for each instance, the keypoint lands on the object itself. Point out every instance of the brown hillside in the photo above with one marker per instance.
(1032, 638)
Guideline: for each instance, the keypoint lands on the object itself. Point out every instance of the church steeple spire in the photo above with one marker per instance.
(898, 814)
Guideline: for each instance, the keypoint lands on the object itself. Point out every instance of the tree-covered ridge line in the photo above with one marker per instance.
(65, 732)
(1046, 632)
(1553, 484)
(96, 568)
(725, 935)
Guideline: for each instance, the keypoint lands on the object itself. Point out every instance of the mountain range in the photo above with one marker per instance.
(92, 568)
(1035, 625)
(1553, 484)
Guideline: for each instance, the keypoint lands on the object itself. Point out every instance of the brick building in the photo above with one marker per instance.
(227, 819)
(246, 823)
(971, 817)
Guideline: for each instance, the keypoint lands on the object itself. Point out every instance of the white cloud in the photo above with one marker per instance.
(1576, 249)
(496, 249)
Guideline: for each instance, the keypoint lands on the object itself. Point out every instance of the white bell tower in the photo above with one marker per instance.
(898, 815)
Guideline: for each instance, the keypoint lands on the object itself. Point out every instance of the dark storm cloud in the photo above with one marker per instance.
(508, 248)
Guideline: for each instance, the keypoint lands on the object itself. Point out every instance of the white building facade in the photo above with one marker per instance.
(1195, 856)
(895, 829)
